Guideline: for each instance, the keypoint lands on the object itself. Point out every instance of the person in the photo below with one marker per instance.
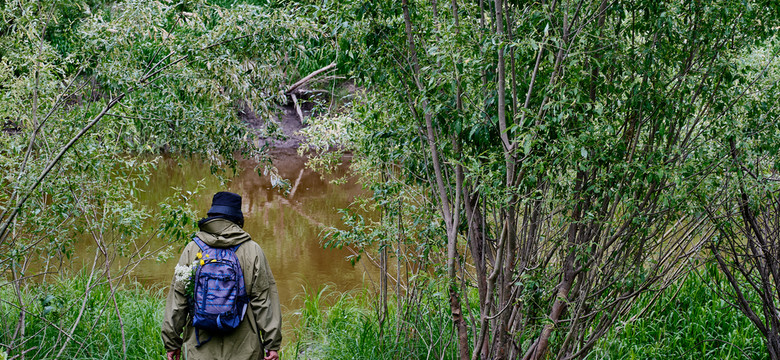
(261, 327)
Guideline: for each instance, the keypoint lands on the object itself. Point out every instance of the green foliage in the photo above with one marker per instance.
(182, 73)
(689, 320)
(234, 57)
(617, 120)
(620, 126)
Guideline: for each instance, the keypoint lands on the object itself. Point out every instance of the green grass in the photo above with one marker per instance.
(688, 321)
(693, 324)
(54, 308)
(349, 328)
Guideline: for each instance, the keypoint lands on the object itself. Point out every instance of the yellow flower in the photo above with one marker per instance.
(207, 255)
(199, 255)
(214, 260)
(202, 262)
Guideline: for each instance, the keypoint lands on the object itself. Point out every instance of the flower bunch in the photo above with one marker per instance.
(185, 274)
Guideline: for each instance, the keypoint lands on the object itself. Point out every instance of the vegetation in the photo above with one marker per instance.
(131, 330)
(92, 91)
(343, 326)
(689, 320)
(570, 156)
(542, 171)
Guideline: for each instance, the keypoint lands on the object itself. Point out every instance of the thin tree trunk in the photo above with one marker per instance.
(512, 68)
(83, 306)
(21, 325)
(398, 267)
(538, 350)
(502, 331)
(446, 207)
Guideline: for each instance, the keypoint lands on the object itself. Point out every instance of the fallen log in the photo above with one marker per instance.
(303, 81)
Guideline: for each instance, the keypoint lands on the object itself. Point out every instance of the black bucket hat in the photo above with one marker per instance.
(227, 204)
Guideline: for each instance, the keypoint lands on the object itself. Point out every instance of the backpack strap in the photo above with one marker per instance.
(197, 338)
(203, 246)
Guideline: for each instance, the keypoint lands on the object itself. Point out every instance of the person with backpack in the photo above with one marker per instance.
(223, 303)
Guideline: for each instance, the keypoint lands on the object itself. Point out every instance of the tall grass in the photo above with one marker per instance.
(689, 321)
(97, 334)
(347, 326)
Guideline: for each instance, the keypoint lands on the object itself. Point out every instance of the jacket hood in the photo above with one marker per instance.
(221, 233)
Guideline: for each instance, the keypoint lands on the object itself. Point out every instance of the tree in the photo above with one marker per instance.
(566, 170)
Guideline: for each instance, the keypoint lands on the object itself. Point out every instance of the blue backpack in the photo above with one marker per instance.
(220, 299)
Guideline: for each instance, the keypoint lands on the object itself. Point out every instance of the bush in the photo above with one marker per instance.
(689, 320)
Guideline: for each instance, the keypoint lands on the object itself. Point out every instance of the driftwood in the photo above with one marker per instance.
(303, 81)
(295, 187)
(312, 92)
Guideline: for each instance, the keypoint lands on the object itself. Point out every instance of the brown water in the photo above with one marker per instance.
(286, 227)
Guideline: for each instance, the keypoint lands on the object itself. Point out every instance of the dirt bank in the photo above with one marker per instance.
(288, 121)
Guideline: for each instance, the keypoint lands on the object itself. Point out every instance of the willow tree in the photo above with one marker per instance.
(558, 141)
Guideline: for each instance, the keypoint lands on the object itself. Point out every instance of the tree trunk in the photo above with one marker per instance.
(450, 212)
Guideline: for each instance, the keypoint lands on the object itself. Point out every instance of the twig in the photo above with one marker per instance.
(24, 352)
(87, 291)
(47, 321)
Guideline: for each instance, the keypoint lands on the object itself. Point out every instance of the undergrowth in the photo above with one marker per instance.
(688, 321)
(49, 323)
(350, 328)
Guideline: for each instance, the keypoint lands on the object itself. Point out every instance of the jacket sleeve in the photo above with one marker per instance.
(176, 310)
(265, 304)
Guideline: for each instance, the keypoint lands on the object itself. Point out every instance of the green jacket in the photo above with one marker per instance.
(265, 317)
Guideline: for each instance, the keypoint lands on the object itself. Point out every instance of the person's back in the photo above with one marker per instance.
(263, 320)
